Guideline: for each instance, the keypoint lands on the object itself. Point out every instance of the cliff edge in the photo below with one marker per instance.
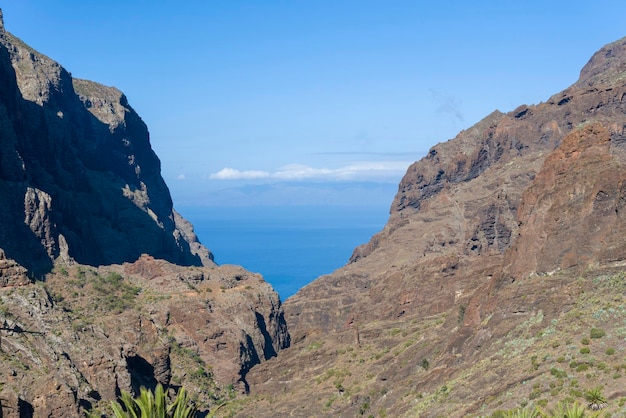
(78, 178)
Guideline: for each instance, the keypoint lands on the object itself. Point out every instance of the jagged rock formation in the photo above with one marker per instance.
(504, 247)
(78, 178)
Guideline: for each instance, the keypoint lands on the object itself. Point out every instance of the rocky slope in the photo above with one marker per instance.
(78, 177)
(71, 343)
(504, 249)
(103, 286)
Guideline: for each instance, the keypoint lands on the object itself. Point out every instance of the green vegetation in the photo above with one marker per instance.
(154, 405)
(461, 316)
(573, 410)
(105, 294)
(596, 333)
(595, 398)
(562, 410)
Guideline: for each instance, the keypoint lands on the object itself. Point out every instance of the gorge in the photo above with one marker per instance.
(497, 282)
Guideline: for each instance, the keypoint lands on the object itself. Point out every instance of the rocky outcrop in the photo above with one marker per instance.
(78, 178)
(11, 273)
(72, 344)
(572, 213)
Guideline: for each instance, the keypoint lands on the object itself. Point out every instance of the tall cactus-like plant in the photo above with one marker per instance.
(154, 405)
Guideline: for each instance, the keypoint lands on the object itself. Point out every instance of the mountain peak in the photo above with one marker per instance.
(606, 66)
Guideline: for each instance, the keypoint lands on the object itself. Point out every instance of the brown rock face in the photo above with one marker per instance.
(572, 214)
(11, 273)
(504, 247)
(78, 178)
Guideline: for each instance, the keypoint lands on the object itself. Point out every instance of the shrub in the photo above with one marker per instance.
(584, 350)
(576, 393)
(597, 333)
(461, 315)
(595, 398)
(558, 372)
(609, 351)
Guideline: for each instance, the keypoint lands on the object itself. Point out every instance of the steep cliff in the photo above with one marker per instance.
(503, 249)
(125, 295)
(78, 178)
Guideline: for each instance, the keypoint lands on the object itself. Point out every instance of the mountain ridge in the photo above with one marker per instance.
(492, 240)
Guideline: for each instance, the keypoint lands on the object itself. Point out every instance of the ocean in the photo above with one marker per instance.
(290, 246)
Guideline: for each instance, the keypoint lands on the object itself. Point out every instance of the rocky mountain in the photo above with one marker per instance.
(104, 287)
(78, 177)
(498, 281)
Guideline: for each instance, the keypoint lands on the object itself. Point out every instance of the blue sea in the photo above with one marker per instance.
(290, 246)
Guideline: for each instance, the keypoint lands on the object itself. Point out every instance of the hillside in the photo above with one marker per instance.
(497, 282)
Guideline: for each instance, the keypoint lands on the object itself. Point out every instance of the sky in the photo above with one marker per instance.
(313, 102)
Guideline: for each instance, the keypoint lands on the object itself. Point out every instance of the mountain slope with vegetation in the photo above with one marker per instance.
(497, 283)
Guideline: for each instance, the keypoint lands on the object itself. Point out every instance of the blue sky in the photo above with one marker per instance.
(313, 102)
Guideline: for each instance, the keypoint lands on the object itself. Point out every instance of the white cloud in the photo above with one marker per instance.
(300, 172)
(180, 177)
(365, 170)
(232, 174)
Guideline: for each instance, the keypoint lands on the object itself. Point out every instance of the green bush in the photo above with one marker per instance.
(584, 350)
(558, 372)
(597, 333)
(582, 367)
